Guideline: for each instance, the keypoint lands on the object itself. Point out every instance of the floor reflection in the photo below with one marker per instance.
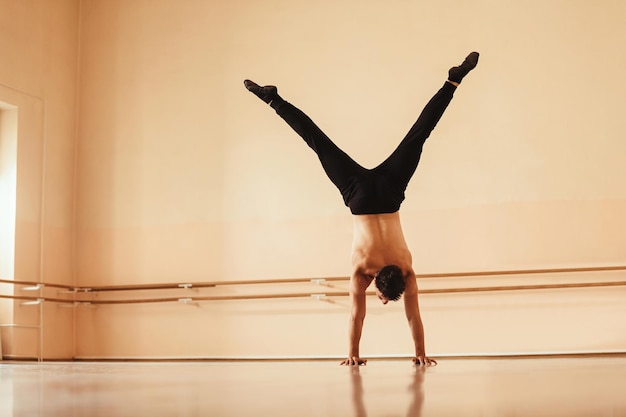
(415, 390)
(530, 387)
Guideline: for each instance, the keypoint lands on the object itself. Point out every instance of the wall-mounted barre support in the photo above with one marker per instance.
(72, 304)
(323, 282)
(33, 283)
(36, 287)
(32, 302)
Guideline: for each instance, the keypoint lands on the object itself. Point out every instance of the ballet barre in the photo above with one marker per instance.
(85, 295)
(32, 285)
(29, 300)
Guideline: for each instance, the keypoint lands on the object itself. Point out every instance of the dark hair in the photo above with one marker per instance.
(390, 282)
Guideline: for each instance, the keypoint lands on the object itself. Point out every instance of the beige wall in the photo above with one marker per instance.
(185, 176)
(176, 158)
(38, 45)
(181, 175)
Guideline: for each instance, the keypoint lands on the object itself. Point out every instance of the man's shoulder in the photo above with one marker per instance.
(360, 279)
(411, 283)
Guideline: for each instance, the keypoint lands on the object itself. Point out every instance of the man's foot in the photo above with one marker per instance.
(456, 74)
(266, 93)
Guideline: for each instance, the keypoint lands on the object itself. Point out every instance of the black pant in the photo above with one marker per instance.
(377, 190)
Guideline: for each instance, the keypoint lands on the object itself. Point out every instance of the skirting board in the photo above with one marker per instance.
(454, 356)
(490, 355)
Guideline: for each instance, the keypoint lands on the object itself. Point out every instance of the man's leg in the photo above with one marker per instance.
(339, 166)
(402, 163)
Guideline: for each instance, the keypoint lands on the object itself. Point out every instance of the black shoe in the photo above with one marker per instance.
(456, 74)
(266, 93)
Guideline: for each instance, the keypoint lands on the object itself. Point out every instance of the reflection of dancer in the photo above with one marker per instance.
(416, 388)
(379, 250)
(356, 382)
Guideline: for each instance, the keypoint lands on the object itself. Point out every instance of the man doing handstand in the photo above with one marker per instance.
(374, 196)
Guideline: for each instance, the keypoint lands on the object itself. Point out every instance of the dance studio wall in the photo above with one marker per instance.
(38, 46)
(175, 173)
(185, 176)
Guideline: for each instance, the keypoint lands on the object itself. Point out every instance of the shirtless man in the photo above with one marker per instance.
(379, 251)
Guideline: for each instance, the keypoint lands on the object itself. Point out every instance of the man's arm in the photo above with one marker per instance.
(357, 316)
(411, 307)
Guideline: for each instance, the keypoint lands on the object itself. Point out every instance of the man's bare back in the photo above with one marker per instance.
(378, 241)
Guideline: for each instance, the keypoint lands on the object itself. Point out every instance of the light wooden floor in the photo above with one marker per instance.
(512, 387)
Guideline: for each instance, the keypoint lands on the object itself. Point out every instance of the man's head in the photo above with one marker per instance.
(390, 283)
